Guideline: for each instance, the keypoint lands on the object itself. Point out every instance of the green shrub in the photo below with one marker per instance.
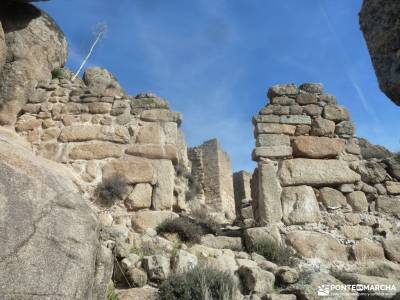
(186, 228)
(112, 189)
(200, 283)
(111, 294)
(61, 73)
(272, 251)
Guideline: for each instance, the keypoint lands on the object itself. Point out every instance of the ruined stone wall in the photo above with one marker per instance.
(312, 181)
(100, 133)
(212, 167)
(242, 189)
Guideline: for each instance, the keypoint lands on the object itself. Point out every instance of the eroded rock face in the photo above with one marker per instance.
(379, 23)
(35, 46)
(49, 234)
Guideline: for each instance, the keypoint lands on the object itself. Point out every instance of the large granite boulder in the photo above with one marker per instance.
(35, 46)
(101, 81)
(49, 239)
(381, 28)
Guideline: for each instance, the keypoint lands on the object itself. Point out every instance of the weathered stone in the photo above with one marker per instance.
(367, 250)
(302, 129)
(315, 172)
(379, 23)
(96, 151)
(287, 275)
(100, 108)
(322, 127)
(317, 147)
(282, 90)
(345, 128)
(312, 110)
(268, 203)
(331, 198)
(26, 125)
(222, 242)
(306, 98)
(48, 226)
(347, 188)
(393, 164)
(392, 249)
(161, 115)
(335, 113)
(252, 235)
(256, 280)
(382, 268)
(358, 201)
(269, 140)
(247, 212)
(266, 119)
(371, 172)
(136, 277)
(140, 197)
(157, 267)
(295, 120)
(119, 107)
(271, 151)
(389, 205)
(134, 170)
(314, 244)
(299, 205)
(163, 192)
(145, 219)
(275, 128)
(154, 151)
(102, 82)
(392, 187)
(82, 133)
(183, 261)
(356, 232)
(283, 100)
(35, 47)
(317, 88)
(145, 293)
(3, 47)
(296, 109)
(150, 133)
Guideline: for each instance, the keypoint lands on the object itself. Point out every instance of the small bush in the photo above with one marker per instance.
(61, 73)
(272, 251)
(205, 221)
(112, 189)
(200, 283)
(111, 295)
(187, 229)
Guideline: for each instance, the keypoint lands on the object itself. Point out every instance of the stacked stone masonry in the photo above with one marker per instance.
(211, 166)
(313, 182)
(100, 133)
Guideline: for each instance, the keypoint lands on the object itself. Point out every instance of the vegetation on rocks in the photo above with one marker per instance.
(111, 189)
(200, 283)
(187, 229)
(272, 251)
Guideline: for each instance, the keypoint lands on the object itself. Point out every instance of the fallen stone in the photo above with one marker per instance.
(183, 261)
(317, 147)
(299, 205)
(256, 280)
(157, 267)
(317, 245)
(145, 219)
(315, 172)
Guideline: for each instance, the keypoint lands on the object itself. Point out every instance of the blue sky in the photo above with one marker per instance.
(214, 59)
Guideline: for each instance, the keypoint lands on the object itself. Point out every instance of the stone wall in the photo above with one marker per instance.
(312, 181)
(99, 132)
(212, 168)
(242, 189)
